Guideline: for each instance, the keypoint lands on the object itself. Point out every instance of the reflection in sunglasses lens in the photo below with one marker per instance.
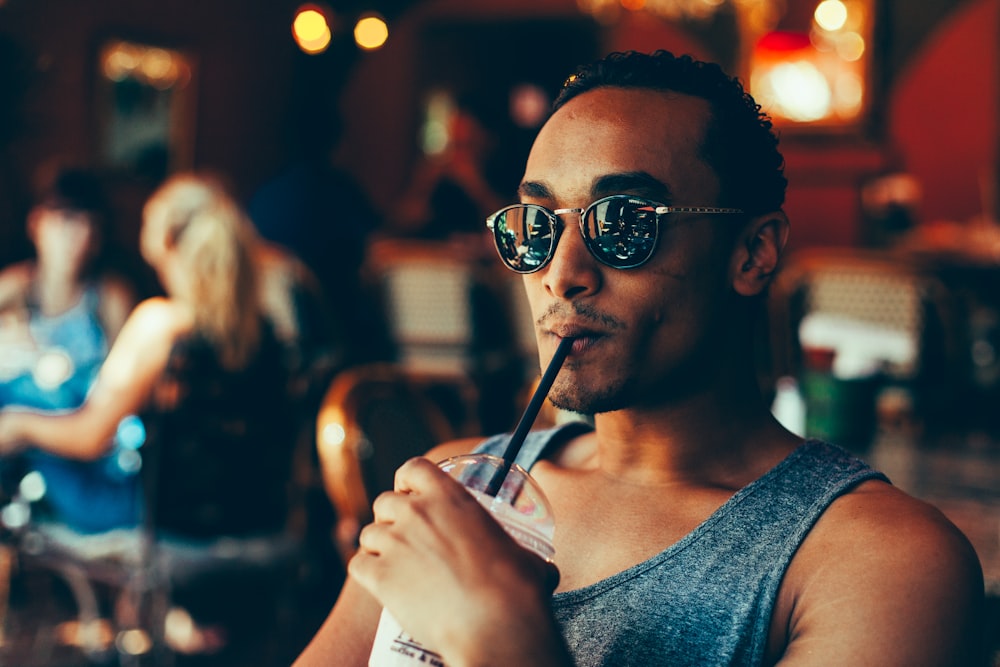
(523, 235)
(619, 231)
(622, 232)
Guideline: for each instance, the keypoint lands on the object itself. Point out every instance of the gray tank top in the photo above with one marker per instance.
(708, 599)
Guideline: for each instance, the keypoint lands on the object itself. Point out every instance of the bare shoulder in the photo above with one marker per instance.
(19, 272)
(886, 577)
(888, 528)
(14, 282)
(156, 317)
(453, 448)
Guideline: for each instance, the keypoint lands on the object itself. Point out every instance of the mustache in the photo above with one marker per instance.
(580, 311)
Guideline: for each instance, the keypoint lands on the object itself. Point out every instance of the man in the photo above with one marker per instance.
(691, 528)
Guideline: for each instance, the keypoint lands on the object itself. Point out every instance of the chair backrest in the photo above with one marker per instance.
(829, 297)
(372, 419)
(427, 294)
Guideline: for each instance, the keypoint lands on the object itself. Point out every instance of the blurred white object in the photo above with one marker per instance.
(789, 406)
(861, 347)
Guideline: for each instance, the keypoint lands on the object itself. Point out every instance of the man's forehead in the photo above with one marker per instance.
(626, 106)
(610, 134)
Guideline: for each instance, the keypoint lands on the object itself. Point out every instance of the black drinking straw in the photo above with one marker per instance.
(530, 414)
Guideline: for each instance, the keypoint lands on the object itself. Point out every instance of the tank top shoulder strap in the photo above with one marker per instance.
(537, 444)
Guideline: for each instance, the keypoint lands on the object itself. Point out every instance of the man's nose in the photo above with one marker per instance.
(573, 272)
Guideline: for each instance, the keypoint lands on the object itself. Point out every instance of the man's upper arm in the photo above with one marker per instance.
(883, 579)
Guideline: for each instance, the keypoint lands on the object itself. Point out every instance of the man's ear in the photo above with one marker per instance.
(757, 252)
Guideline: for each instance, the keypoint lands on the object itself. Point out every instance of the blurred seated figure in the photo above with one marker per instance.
(452, 191)
(59, 313)
(202, 368)
(318, 213)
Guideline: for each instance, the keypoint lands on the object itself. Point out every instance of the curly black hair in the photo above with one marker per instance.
(740, 142)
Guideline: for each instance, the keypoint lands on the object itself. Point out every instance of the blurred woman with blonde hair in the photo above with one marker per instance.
(199, 365)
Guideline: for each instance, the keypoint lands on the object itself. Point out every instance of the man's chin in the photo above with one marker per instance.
(586, 403)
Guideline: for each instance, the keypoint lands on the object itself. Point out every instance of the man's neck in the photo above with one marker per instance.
(703, 440)
(56, 288)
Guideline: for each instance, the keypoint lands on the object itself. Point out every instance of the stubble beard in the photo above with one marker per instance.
(590, 400)
(626, 390)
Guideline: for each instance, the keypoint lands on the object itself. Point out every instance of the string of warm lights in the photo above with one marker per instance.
(759, 15)
(815, 74)
(314, 25)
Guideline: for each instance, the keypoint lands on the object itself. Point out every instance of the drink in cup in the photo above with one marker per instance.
(519, 506)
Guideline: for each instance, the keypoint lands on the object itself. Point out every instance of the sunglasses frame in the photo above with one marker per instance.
(556, 226)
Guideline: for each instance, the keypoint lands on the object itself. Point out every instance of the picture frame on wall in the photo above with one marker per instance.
(144, 108)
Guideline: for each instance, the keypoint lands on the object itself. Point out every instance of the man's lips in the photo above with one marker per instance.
(574, 331)
(582, 338)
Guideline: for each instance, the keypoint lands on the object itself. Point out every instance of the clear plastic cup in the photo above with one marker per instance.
(519, 506)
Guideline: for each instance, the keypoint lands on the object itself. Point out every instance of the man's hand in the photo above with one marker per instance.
(453, 578)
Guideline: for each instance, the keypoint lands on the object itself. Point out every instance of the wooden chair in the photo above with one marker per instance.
(372, 419)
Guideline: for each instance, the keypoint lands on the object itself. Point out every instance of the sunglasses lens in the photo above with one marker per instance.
(523, 235)
(621, 231)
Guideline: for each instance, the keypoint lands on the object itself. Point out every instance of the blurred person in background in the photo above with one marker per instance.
(316, 211)
(203, 369)
(211, 323)
(450, 191)
(60, 312)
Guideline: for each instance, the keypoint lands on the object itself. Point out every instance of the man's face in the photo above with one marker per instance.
(644, 332)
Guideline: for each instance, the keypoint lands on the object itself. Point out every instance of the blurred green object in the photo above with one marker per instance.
(840, 411)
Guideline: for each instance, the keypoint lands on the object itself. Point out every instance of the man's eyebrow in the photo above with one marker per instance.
(634, 182)
(534, 190)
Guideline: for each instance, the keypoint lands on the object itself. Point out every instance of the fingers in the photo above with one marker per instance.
(418, 474)
(374, 538)
(366, 568)
(379, 546)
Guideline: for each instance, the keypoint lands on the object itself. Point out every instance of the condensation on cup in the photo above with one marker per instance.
(519, 506)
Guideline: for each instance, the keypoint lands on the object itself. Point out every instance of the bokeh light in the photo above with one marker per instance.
(831, 15)
(311, 29)
(797, 90)
(371, 32)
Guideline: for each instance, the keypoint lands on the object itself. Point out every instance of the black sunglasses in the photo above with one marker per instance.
(620, 231)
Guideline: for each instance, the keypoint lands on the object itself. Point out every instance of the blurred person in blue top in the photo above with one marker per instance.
(205, 346)
(60, 311)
